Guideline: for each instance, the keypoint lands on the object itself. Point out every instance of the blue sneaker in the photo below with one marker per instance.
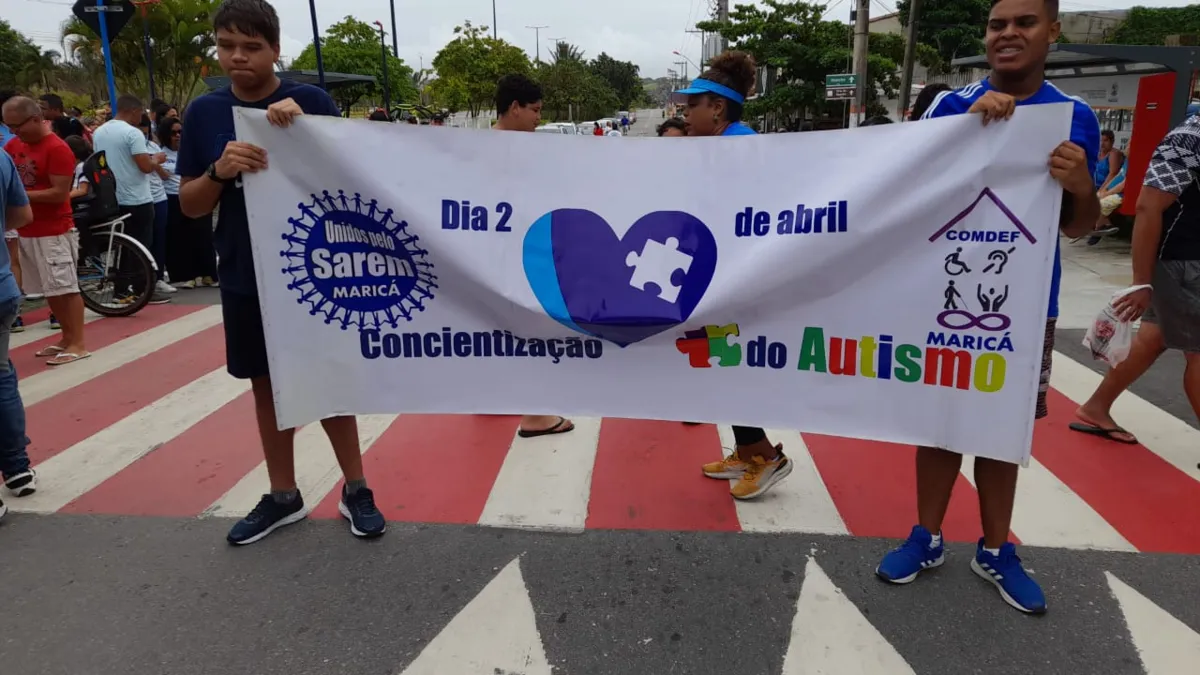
(359, 509)
(267, 517)
(1007, 575)
(54, 324)
(903, 564)
(18, 325)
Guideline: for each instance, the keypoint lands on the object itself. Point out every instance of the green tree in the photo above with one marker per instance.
(954, 28)
(17, 56)
(791, 37)
(471, 64)
(1152, 25)
(622, 76)
(572, 92)
(181, 42)
(352, 47)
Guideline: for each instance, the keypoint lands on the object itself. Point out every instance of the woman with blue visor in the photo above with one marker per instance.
(713, 105)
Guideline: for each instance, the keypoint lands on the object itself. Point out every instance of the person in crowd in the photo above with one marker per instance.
(597, 131)
(191, 258)
(1018, 38)
(1111, 159)
(1166, 256)
(49, 250)
(160, 112)
(158, 194)
(714, 103)
(132, 163)
(624, 124)
(1111, 197)
(519, 108)
(672, 128)
(81, 150)
(61, 124)
(11, 238)
(210, 165)
(925, 98)
(15, 213)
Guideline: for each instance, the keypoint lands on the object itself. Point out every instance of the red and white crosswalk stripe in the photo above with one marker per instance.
(152, 426)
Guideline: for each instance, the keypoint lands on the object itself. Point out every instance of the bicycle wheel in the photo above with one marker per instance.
(109, 280)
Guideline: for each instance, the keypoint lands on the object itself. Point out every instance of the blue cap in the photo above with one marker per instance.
(702, 86)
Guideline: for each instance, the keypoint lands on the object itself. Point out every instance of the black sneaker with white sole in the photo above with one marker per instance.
(22, 484)
(359, 508)
(267, 517)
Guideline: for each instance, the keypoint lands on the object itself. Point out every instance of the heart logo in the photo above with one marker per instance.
(620, 289)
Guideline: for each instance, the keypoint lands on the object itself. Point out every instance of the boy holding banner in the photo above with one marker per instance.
(210, 165)
(1019, 34)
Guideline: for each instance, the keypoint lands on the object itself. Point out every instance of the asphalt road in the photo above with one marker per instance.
(92, 595)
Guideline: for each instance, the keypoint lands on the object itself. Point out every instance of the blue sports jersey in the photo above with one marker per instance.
(1085, 132)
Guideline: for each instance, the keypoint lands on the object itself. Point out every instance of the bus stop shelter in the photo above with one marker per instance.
(1067, 60)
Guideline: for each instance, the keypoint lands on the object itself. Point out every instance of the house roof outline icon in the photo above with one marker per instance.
(986, 192)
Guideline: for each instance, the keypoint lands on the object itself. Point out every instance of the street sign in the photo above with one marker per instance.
(841, 87)
(117, 13)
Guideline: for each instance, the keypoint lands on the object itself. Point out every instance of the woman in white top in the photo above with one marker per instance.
(191, 258)
(159, 194)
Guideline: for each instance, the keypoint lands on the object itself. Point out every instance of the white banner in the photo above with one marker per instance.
(887, 283)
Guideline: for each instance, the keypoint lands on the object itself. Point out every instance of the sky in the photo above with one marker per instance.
(645, 32)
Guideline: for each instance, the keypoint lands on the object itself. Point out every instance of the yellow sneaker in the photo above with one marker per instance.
(761, 475)
(730, 468)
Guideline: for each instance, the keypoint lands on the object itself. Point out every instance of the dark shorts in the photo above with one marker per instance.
(1047, 363)
(1175, 308)
(245, 341)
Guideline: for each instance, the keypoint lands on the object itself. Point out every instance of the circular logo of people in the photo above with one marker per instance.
(351, 262)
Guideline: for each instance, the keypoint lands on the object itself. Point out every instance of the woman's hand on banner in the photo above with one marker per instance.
(994, 106)
(239, 158)
(283, 113)
(1068, 165)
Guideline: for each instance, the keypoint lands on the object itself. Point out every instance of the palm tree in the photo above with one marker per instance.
(41, 73)
(181, 42)
(566, 52)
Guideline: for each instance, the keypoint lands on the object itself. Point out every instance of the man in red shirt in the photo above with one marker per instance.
(49, 248)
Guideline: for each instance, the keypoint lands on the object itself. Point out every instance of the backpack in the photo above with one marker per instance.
(99, 205)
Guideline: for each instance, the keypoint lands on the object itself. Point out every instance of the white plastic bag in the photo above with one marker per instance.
(1109, 337)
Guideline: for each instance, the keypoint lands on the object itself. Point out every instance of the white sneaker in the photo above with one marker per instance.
(163, 287)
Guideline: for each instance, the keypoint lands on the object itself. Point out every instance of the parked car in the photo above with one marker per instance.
(564, 128)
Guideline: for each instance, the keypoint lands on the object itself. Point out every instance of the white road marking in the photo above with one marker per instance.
(545, 483)
(317, 470)
(36, 331)
(54, 381)
(800, 503)
(1161, 432)
(495, 633)
(1048, 513)
(81, 467)
(1165, 644)
(830, 636)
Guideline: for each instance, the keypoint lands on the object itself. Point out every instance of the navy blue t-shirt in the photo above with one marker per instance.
(207, 127)
(1085, 132)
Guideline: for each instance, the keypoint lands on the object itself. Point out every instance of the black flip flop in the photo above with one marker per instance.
(556, 429)
(1106, 434)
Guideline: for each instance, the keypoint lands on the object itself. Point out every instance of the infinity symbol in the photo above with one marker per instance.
(990, 322)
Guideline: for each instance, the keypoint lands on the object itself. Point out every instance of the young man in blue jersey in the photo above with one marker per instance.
(210, 165)
(1019, 35)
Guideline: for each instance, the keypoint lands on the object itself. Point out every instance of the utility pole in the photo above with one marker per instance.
(684, 73)
(723, 17)
(910, 55)
(537, 36)
(862, 18)
(395, 44)
(495, 33)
